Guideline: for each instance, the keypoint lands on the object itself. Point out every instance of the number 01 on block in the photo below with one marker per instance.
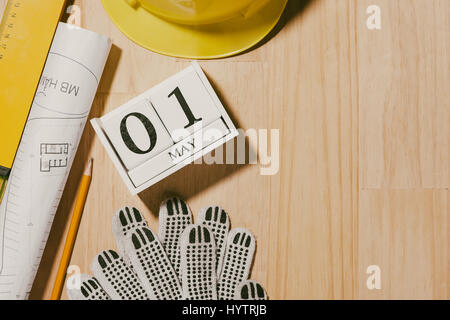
(165, 129)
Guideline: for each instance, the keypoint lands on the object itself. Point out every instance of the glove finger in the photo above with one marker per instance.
(117, 278)
(151, 264)
(88, 288)
(124, 221)
(250, 290)
(237, 262)
(174, 217)
(218, 222)
(198, 264)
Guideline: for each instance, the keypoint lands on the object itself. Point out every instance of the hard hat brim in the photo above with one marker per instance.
(194, 42)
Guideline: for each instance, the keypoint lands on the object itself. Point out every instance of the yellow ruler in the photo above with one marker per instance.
(26, 34)
(3, 182)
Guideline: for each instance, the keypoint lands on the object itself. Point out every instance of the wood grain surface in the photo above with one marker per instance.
(364, 151)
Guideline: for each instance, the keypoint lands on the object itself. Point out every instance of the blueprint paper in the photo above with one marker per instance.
(57, 119)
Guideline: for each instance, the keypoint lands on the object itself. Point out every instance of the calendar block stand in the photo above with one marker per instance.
(164, 129)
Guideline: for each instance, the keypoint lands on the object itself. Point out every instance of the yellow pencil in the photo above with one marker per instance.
(73, 230)
(3, 182)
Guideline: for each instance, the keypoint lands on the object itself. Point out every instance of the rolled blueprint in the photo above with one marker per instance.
(56, 122)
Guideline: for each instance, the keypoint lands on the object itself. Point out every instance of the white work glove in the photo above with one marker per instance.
(201, 261)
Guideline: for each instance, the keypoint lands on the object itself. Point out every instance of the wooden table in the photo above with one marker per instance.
(364, 142)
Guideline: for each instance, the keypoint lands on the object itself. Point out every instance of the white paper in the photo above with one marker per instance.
(57, 119)
(140, 171)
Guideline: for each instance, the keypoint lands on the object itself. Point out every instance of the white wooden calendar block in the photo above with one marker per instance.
(187, 94)
(207, 139)
(165, 129)
(137, 134)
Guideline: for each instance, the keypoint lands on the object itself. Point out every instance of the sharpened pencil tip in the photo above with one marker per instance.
(88, 171)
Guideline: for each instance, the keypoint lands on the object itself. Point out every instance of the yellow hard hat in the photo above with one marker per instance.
(195, 29)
